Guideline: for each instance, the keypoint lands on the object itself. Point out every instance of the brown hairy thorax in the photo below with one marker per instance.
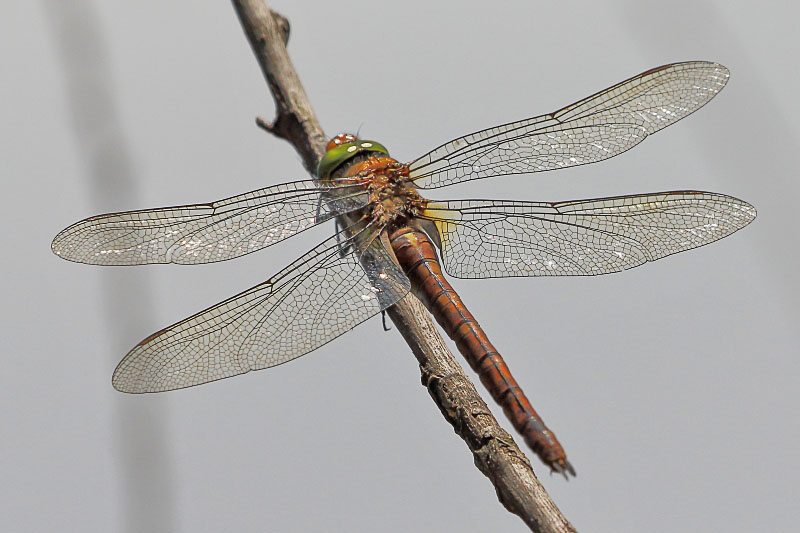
(394, 201)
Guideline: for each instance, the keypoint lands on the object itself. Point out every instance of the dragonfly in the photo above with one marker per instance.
(390, 241)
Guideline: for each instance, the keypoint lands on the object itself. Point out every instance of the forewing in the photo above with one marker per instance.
(206, 233)
(325, 293)
(495, 239)
(595, 128)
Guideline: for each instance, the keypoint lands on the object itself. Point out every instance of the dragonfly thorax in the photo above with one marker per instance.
(393, 199)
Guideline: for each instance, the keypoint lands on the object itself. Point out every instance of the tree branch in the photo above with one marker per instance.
(296, 122)
(494, 450)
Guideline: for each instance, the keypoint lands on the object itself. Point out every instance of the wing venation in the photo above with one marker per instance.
(590, 130)
(490, 238)
(328, 291)
(206, 233)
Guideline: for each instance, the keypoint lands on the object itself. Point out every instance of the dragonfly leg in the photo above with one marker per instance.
(344, 249)
(319, 210)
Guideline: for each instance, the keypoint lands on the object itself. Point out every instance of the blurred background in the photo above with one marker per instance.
(672, 386)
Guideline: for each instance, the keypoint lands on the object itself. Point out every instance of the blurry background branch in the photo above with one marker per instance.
(494, 450)
(141, 445)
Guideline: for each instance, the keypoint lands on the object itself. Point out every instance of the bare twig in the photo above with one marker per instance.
(495, 452)
(295, 120)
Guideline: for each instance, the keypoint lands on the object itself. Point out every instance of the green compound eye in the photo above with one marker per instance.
(336, 156)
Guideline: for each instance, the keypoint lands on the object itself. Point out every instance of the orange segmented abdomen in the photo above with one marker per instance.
(417, 256)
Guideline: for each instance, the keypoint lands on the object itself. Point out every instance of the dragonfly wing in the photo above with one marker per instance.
(595, 128)
(206, 233)
(325, 293)
(496, 239)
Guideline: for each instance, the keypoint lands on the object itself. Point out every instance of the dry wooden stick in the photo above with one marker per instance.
(494, 450)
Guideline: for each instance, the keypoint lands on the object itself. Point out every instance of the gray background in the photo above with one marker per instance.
(672, 386)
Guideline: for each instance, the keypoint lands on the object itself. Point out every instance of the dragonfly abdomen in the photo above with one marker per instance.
(417, 256)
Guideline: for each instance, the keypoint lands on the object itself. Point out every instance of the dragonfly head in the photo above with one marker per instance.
(343, 147)
(340, 139)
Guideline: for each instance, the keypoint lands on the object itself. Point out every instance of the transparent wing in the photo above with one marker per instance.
(496, 239)
(325, 293)
(595, 128)
(205, 233)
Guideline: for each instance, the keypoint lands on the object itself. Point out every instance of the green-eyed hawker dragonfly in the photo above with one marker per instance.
(387, 236)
